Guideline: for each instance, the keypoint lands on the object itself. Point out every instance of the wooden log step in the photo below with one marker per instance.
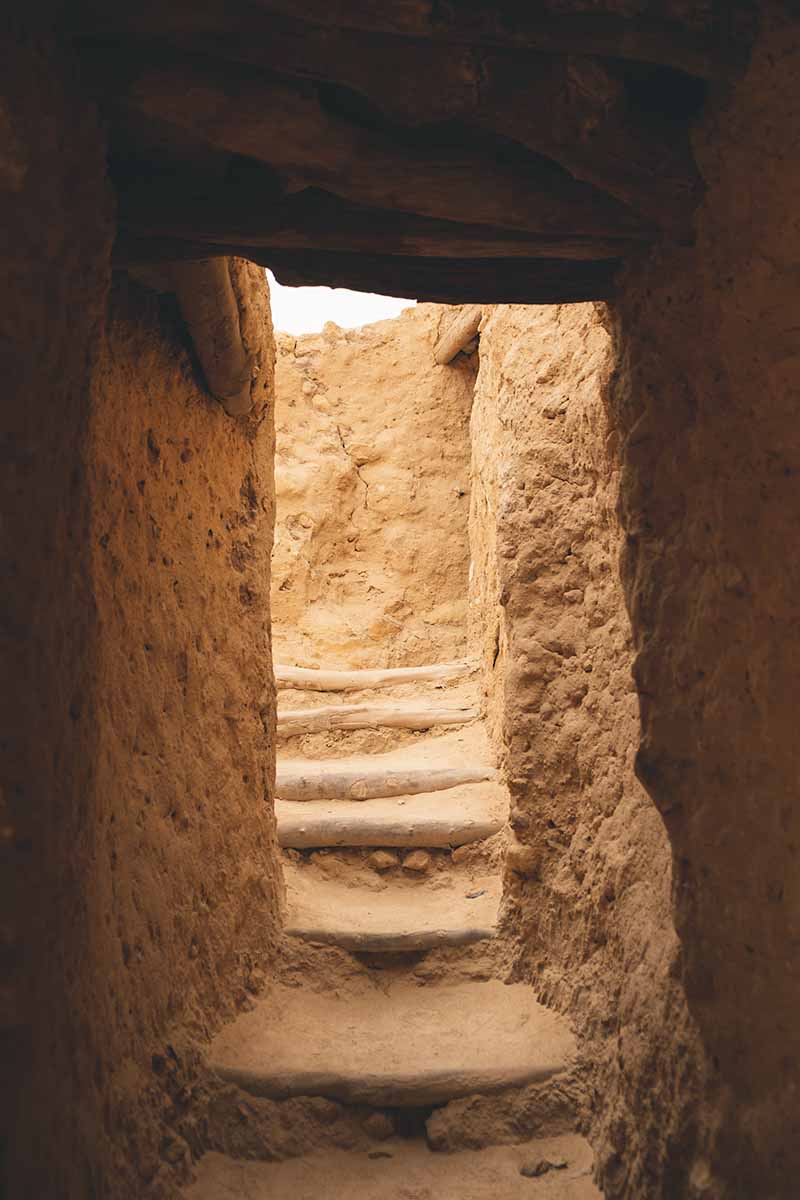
(373, 716)
(319, 781)
(401, 1045)
(313, 680)
(401, 918)
(461, 815)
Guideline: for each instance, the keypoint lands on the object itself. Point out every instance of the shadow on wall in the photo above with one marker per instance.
(588, 870)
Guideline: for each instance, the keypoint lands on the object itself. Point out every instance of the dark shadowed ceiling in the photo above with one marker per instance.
(447, 151)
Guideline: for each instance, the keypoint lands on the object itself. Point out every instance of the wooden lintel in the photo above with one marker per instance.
(440, 280)
(705, 53)
(284, 125)
(241, 212)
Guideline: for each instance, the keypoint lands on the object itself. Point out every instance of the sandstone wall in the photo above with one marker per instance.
(139, 886)
(55, 241)
(588, 875)
(185, 883)
(690, 431)
(371, 553)
(707, 397)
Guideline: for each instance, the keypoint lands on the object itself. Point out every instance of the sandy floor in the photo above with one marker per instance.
(411, 1173)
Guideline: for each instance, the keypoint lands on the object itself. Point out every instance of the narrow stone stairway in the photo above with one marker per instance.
(390, 1033)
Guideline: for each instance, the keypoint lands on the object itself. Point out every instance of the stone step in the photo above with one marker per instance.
(400, 1170)
(401, 917)
(401, 1046)
(452, 818)
(335, 779)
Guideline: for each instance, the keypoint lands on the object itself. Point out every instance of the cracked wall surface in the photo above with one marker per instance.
(371, 552)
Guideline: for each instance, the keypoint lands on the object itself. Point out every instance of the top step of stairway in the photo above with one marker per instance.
(402, 1045)
(319, 680)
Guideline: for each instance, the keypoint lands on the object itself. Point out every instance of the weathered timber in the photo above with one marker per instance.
(211, 312)
(450, 281)
(372, 716)
(313, 680)
(591, 128)
(313, 782)
(441, 280)
(460, 332)
(707, 53)
(453, 818)
(284, 125)
(242, 211)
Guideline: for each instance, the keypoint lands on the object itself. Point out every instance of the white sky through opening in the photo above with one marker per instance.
(306, 309)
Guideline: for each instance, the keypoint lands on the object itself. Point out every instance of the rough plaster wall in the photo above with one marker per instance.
(588, 879)
(371, 557)
(135, 910)
(55, 239)
(185, 882)
(691, 1046)
(708, 398)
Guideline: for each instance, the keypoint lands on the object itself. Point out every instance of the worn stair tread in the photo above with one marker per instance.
(428, 764)
(417, 916)
(402, 1169)
(458, 747)
(454, 817)
(403, 1045)
(399, 715)
(307, 782)
(363, 679)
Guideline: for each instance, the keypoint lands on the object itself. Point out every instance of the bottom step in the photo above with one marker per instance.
(406, 1171)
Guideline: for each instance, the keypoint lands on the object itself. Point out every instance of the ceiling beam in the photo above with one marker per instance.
(444, 280)
(707, 53)
(574, 110)
(243, 211)
(284, 125)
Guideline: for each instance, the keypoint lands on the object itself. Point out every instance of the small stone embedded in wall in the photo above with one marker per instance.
(418, 861)
(383, 860)
(379, 1125)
